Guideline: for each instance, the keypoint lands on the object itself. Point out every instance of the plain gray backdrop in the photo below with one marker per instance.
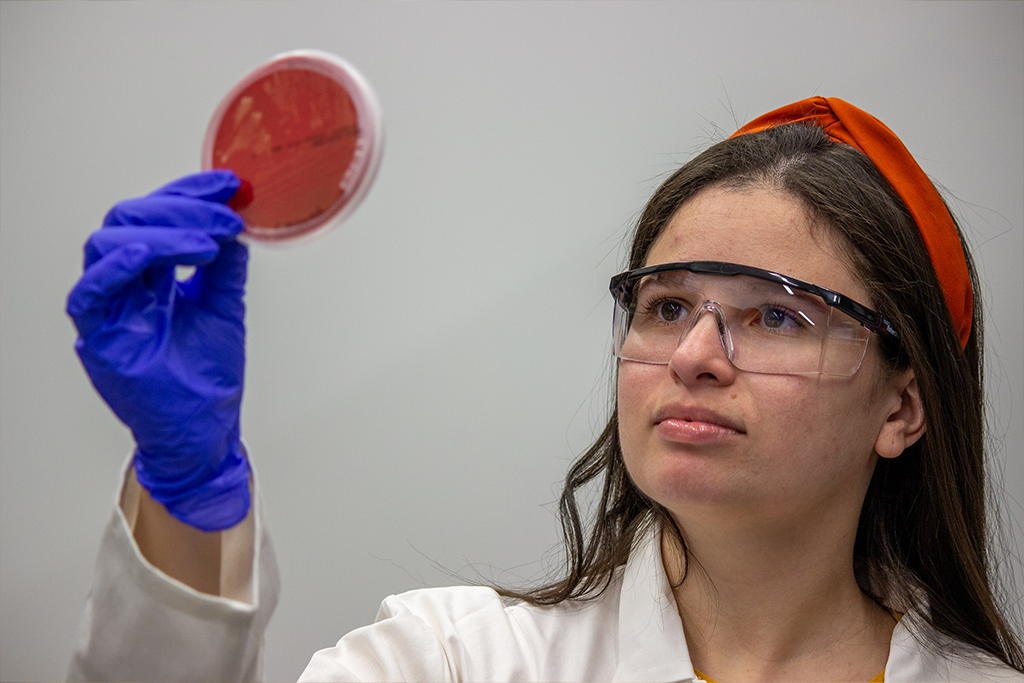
(419, 380)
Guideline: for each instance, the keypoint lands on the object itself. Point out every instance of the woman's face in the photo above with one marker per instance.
(709, 441)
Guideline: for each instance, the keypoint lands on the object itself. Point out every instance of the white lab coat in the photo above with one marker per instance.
(141, 625)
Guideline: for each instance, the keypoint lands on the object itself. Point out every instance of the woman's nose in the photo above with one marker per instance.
(703, 351)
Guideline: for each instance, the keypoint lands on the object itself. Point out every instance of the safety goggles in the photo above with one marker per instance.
(767, 322)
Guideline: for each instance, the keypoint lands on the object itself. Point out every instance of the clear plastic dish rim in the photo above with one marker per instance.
(364, 166)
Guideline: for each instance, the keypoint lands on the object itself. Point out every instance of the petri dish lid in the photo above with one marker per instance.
(305, 134)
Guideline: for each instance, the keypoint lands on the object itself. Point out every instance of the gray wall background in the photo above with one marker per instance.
(420, 379)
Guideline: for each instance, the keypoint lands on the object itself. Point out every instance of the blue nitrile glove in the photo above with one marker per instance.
(168, 356)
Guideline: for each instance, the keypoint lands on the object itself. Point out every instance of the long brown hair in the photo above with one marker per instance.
(922, 540)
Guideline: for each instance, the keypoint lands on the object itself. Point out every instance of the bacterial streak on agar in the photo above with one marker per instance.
(304, 131)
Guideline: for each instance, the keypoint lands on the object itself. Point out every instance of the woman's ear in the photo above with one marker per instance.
(904, 424)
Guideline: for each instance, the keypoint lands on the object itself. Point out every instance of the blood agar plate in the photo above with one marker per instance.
(304, 131)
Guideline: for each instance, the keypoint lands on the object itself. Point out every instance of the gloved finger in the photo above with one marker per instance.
(90, 300)
(221, 284)
(177, 212)
(168, 246)
(217, 185)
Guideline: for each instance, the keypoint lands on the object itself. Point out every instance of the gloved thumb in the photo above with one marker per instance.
(220, 284)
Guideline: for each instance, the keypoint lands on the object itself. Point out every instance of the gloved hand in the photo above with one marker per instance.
(168, 356)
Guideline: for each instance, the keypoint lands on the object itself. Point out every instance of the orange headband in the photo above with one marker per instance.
(846, 123)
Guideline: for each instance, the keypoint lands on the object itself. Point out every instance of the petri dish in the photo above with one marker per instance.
(304, 133)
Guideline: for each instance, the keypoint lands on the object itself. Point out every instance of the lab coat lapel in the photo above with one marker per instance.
(652, 646)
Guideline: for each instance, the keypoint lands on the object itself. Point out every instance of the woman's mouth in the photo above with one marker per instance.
(694, 425)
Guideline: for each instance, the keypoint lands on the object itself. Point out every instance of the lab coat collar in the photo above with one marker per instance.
(908, 660)
(652, 646)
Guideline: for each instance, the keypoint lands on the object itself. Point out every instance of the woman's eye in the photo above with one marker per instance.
(778, 318)
(670, 311)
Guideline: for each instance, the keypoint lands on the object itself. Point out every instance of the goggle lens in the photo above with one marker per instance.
(764, 326)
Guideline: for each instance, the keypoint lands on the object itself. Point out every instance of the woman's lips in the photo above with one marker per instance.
(693, 425)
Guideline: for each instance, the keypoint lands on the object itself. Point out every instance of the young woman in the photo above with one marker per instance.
(793, 475)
